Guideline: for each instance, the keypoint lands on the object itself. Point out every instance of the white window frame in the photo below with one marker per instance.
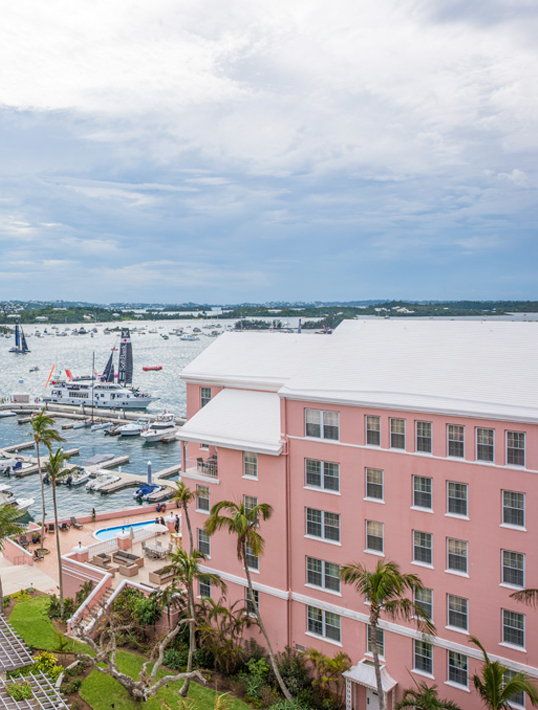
(201, 531)
(456, 441)
(456, 627)
(416, 655)
(423, 478)
(430, 437)
(206, 585)
(322, 424)
(380, 646)
(505, 507)
(454, 570)
(398, 433)
(250, 465)
(505, 567)
(252, 560)
(323, 574)
(419, 602)
(455, 654)
(248, 602)
(205, 400)
(323, 475)
(484, 428)
(369, 536)
(516, 448)
(375, 431)
(505, 626)
(415, 547)
(206, 489)
(324, 624)
(380, 499)
(449, 498)
(323, 526)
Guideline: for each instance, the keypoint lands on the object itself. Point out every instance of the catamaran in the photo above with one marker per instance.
(21, 347)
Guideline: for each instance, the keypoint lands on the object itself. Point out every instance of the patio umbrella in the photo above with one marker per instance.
(156, 528)
(132, 533)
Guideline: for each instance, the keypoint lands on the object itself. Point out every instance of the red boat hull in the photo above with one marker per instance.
(155, 367)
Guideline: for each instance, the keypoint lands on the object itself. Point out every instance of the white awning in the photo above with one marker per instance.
(364, 674)
(238, 419)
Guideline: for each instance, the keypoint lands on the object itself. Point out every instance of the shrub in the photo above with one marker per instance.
(46, 662)
(7, 599)
(21, 596)
(147, 610)
(73, 687)
(176, 659)
(69, 608)
(54, 607)
(256, 677)
(20, 691)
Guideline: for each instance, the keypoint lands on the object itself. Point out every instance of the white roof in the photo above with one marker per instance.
(364, 674)
(252, 416)
(477, 368)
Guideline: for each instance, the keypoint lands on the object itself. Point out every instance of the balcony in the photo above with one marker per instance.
(200, 468)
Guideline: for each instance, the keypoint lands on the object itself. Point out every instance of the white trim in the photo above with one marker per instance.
(426, 565)
(319, 489)
(422, 673)
(374, 552)
(513, 647)
(196, 477)
(455, 515)
(458, 631)
(481, 461)
(509, 526)
(374, 500)
(322, 589)
(322, 539)
(264, 588)
(457, 685)
(323, 638)
(458, 574)
(418, 507)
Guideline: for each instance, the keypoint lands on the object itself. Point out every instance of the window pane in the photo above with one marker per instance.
(457, 555)
(250, 464)
(513, 566)
(457, 668)
(422, 492)
(374, 536)
(424, 437)
(205, 590)
(205, 395)
(518, 699)
(330, 425)
(515, 448)
(332, 626)
(203, 542)
(313, 423)
(331, 476)
(374, 483)
(313, 473)
(315, 620)
(313, 522)
(422, 547)
(485, 439)
(424, 600)
(332, 576)
(457, 612)
(397, 433)
(251, 558)
(332, 526)
(514, 508)
(314, 571)
(457, 498)
(423, 656)
(373, 430)
(380, 638)
(513, 628)
(202, 498)
(456, 440)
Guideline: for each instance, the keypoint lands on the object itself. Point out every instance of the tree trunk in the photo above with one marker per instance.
(377, 666)
(188, 527)
(286, 693)
(42, 496)
(1, 598)
(53, 485)
(192, 639)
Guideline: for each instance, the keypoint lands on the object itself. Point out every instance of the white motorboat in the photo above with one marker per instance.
(189, 336)
(7, 497)
(82, 425)
(100, 394)
(133, 428)
(102, 479)
(77, 477)
(163, 426)
(7, 413)
(102, 425)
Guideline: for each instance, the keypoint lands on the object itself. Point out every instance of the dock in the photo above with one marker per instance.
(134, 480)
(30, 470)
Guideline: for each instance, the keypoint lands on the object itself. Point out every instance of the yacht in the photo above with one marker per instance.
(98, 394)
(102, 479)
(7, 497)
(77, 477)
(163, 426)
(133, 428)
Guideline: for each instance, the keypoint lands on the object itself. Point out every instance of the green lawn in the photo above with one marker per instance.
(100, 691)
(30, 620)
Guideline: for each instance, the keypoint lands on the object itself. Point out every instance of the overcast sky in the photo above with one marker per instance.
(232, 150)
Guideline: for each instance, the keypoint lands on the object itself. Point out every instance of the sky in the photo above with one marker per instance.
(221, 151)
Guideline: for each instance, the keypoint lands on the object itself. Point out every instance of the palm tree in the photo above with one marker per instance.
(244, 522)
(9, 526)
(186, 571)
(183, 496)
(496, 687)
(526, 596)
(424, 698)
(43, 434)
(384, 590)
(56, 471)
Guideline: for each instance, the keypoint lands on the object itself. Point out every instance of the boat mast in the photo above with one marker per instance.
(93, 378)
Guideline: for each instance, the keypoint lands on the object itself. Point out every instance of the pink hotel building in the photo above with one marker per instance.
(412, 441)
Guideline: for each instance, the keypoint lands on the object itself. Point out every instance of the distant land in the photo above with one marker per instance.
(325, 313)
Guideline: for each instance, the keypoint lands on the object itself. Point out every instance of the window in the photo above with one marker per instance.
(251, 609)
(485, 444)
(204, 544)
(458, 612)
(205, 396)
(322, 474)
(204, 589)
(456, 440)
(397, 433)
(374, 483)
(458, 668)
(513, 568)
(250, 464)
(322, 425)
(323, 623)
(422, 492)
(249, 502)
(374, 536)
(424, 436)
(514, 508)
(513, 628)
(457, 551)
(373, 430)
(323, 574)
(424, 599)
(519, 698)
(251, 559)
(515, 448)
(423, 656)
(202, 498)
(320, 523)
(457, 498)
(422, 547)
(380, 640)
(204, 447)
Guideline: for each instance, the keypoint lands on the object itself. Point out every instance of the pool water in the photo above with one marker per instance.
(109, 533)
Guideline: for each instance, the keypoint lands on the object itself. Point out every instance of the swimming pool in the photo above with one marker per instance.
(109, 533)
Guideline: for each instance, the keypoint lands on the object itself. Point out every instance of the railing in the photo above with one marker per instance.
(203, 467)
(105, 546)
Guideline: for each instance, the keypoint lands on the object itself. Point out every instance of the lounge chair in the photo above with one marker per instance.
(128, 570)
(64, 527)
(23, 542)
(74, 523)
(50, 527)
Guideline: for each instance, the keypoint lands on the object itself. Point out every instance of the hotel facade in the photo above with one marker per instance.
(410, 441)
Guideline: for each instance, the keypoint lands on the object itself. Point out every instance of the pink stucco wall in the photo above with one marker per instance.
(284, 594)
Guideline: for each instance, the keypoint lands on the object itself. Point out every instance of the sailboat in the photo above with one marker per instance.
(21, 346)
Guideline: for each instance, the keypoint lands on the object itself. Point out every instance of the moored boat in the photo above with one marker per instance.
(151, 368)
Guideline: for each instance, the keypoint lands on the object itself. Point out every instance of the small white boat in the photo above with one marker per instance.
(7, 497)
(7, 413)
(102, 425)
(133, 428)
(163, 426)
(102, 479)
(189, 336)
(78, 477)
(82, 425)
